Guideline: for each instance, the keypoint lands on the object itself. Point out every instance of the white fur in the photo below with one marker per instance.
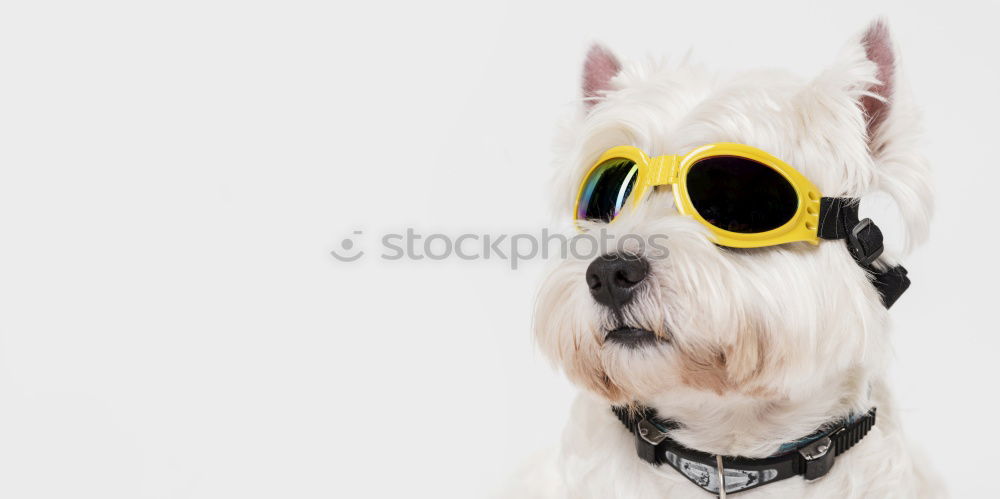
(766, 344)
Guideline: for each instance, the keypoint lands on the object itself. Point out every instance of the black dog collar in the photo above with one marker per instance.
(812, 456)
(838, 219)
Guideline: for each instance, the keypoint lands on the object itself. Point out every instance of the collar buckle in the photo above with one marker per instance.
(818, 457)
(648, 436)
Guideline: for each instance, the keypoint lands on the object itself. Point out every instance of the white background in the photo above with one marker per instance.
(174, 175)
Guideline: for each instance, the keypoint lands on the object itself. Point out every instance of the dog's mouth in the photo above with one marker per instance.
(632, 337)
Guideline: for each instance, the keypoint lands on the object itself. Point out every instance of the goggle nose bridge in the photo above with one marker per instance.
(664, 170)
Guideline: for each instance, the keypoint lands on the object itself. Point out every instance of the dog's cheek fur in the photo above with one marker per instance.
(705, 371)
(585, 369)
(567, 328)
(721, 350)
(734, 367)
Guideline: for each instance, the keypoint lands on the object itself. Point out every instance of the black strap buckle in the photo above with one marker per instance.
(865, 242)
(647, 437)
(818, 457)
(839, 220)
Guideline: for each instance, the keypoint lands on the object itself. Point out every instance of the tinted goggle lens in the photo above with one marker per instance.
(740, 195)
(732, 193)
(606, 190)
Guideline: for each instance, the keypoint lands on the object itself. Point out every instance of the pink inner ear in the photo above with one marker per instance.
(598, 70)
(878, 48)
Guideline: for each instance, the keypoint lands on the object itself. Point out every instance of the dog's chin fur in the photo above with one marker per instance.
(758, 347)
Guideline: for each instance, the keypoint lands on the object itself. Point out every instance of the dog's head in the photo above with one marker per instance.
(707, 327)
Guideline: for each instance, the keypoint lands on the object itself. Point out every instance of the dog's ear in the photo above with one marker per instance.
(877, 104)
(599, 69)
(893, 131)
(868, 70)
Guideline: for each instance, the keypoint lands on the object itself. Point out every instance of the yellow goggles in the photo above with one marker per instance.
(744, 196)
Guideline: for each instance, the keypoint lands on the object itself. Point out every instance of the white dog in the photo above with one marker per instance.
(765, 360)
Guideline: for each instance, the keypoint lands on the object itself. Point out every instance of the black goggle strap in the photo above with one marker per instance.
(838, 219)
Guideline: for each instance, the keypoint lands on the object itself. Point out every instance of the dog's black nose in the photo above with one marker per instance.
(613, 278)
